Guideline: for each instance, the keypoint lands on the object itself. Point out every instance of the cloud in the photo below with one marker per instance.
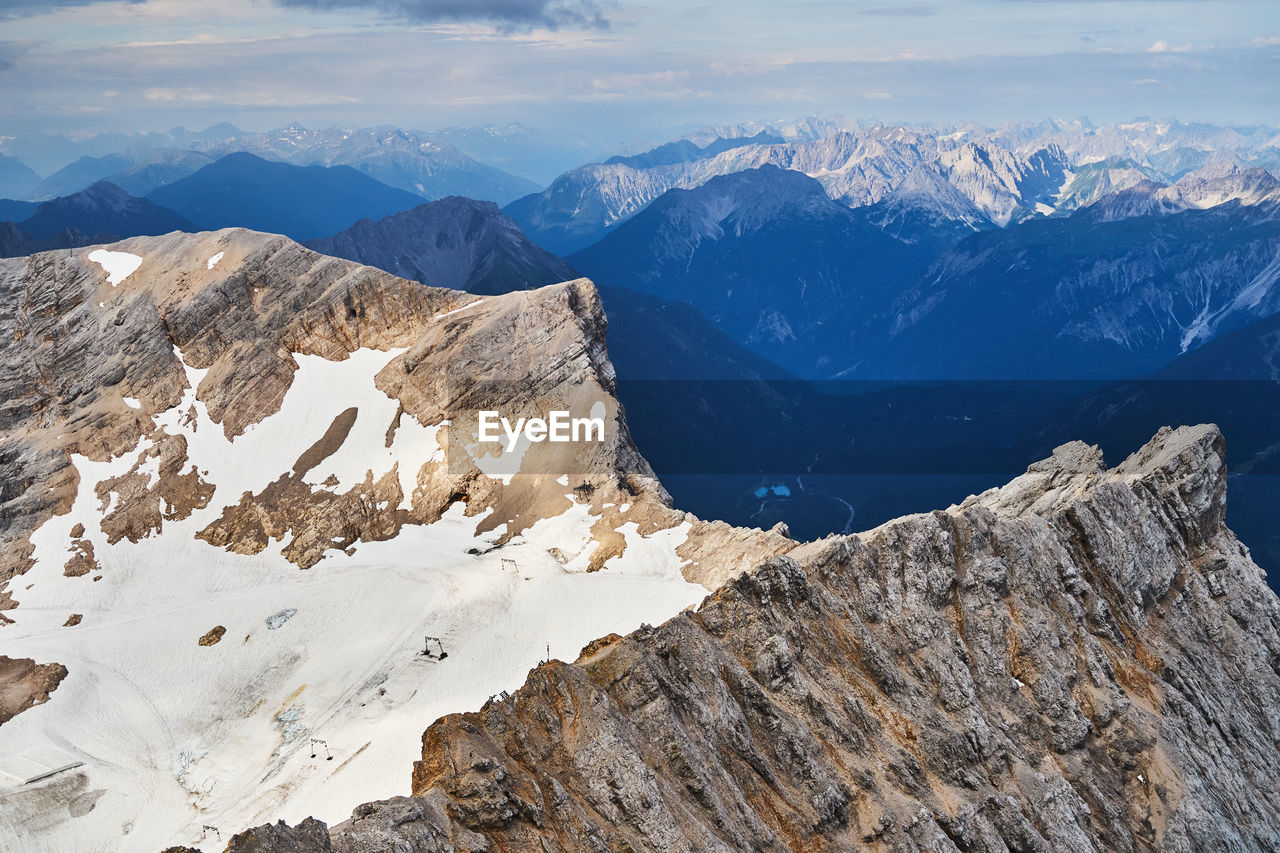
(505, 14)
(1145, 81)
(900, 11)
(19, 8)
(10, 51)
(1165, 47)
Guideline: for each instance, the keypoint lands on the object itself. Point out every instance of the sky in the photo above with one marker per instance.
(617, 70)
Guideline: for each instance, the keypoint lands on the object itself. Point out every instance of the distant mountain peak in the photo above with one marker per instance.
(456, 242)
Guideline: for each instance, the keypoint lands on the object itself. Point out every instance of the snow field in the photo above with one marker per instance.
(176, 736)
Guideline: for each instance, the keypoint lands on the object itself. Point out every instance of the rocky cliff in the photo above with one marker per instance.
(188, 421)
(91, 362)
(1084, 659)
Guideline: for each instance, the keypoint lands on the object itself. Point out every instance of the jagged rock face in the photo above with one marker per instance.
(1080, 296)
(25, 684)
(189, 420)
(1084, 659)
(89, 364)
(855, 167)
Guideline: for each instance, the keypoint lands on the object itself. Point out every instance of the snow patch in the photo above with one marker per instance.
(456, 310)
(117, 265)
(213, 261)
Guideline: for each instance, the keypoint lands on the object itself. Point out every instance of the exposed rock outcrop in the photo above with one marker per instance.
(25, 684)
(1084, 659)
(93, 359)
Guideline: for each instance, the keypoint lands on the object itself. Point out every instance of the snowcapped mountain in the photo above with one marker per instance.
(1090, 181)
(455, 242)
(857, 168)
(1209, 186)
(852, 658)
(1218, 184)
(1169, 146)
(998, 183)
(189, 421)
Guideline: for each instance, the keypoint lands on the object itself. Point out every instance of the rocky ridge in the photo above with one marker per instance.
(1084, 659)
(91, 364)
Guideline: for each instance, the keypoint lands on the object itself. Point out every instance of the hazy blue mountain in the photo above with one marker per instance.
(79, 175)
(1079, 297)
(1251, 352)
(765, 255)
(655, 339)
(16, 211)
(155, 169)
(410, 161)
(49, 152)
(302, 202)
(471, 245)
(455, 242)
(14, 242)
(419, 163)
(17, 180)
(103, 210)
(527, 152)
(103, 213)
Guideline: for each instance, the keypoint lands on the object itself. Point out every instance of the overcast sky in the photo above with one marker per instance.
(628, 69)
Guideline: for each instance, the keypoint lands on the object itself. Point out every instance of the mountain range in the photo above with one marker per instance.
(972, 175)
(1080, 296)
(413, 162)
(266, 587)
(764, 254)
(303, 202)
(101, 213)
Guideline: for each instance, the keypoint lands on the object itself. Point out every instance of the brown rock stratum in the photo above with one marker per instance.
(1084, 659)
(76, 347)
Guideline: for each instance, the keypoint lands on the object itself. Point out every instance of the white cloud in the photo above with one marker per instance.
(1165, 47)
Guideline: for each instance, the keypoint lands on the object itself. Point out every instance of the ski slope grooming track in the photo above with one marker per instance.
(174, 736)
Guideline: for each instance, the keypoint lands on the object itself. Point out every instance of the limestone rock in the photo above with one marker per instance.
(25, 684)
(1084, 659)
